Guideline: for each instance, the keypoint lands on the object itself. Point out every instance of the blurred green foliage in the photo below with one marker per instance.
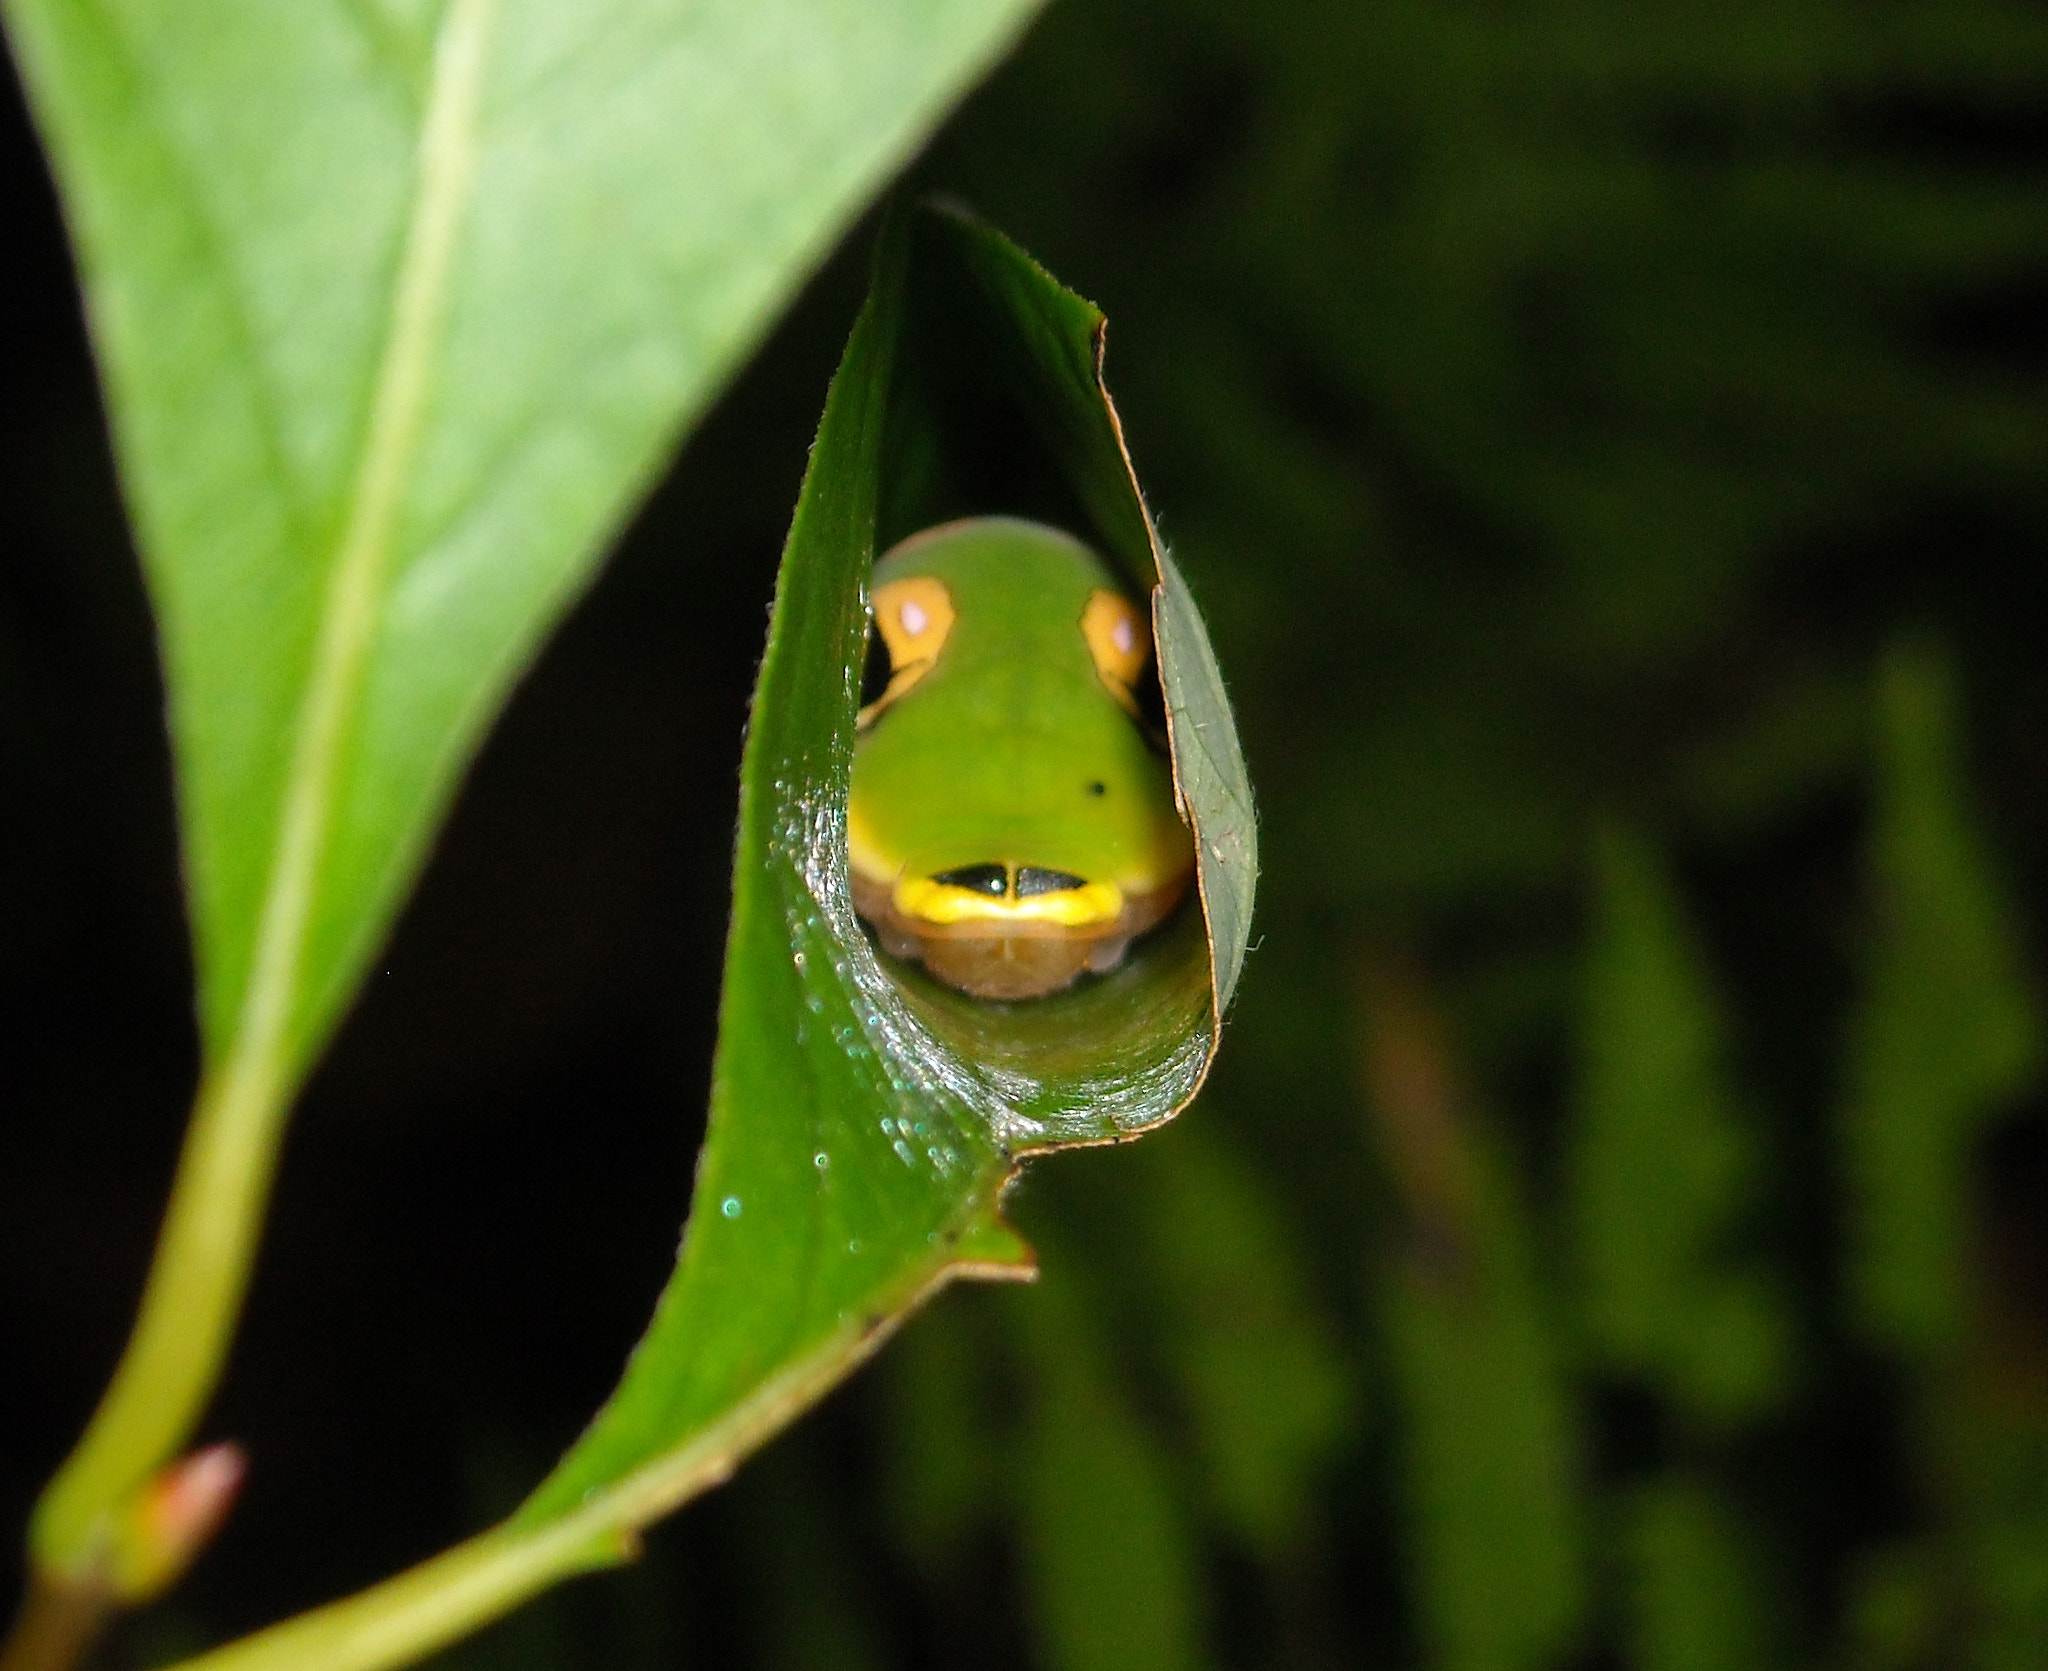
(1664, 1169)
(1606, 442)
(1947, 1033)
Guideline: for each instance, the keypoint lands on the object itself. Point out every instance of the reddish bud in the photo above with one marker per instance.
(174, 1517)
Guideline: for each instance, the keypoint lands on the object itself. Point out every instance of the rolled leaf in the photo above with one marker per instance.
(865, 1119)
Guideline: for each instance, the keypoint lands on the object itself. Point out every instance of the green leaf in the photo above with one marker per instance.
(1948, 1033)
(1112, 1566)
(1489, 1452)
(1663, 1167)
(1213, 1266)
(861, 1131)
(798, 1553)
(399, 306)
(1488, 1464)
(1946, 1043)
(1693, 1585)
(944, 1451)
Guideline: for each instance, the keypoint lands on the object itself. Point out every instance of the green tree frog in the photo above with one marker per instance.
(1010, 822)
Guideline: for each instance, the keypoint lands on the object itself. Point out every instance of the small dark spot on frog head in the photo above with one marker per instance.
(1098, 788)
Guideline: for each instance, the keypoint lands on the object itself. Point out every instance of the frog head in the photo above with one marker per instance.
(1012, 822)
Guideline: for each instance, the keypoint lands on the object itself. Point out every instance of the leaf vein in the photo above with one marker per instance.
(362, 561)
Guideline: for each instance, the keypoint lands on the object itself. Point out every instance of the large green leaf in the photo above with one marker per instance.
(864, 1121)
(399, 303)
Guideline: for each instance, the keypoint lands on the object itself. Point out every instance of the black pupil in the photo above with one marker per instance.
(991, 880)
(1031, 880)
(875, 670)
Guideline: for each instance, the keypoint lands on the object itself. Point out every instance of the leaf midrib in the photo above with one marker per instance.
(204, 1255)
(350, 610)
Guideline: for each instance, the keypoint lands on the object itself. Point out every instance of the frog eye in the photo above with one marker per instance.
(990, 881)
(1033, 881)
(913, 615)
(1121, 643)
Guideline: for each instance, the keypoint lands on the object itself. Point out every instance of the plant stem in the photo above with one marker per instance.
(428, 1607)
(173, 1358)
(56, 1625)
(404, 1618)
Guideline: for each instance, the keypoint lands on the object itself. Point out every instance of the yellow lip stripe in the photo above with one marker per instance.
(938, 902)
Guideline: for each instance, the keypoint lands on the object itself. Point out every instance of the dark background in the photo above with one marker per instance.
(1560, 411)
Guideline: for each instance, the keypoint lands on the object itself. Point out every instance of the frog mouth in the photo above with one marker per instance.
(1009, 931)
(1011, 896)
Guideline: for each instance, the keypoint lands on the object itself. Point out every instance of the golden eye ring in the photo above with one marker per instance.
(915, 616)
(1120, 642)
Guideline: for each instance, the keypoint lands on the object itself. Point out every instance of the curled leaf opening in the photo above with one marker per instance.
(866, 1117)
